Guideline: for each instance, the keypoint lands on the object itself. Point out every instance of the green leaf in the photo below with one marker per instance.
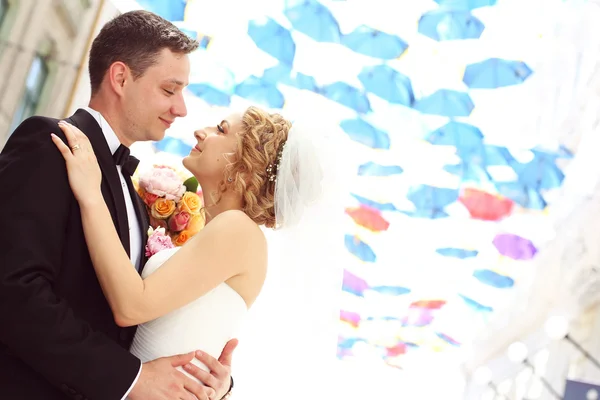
(191, 184)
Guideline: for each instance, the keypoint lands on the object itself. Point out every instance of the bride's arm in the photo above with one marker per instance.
(224, 248)
(230, 245)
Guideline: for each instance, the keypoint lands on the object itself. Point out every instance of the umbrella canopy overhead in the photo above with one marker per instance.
(442, 182)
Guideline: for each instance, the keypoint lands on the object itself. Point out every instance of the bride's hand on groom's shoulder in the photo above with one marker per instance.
(82, 166)
(219, 377)
(160, 380)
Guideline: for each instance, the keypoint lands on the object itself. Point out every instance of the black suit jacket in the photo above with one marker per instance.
(58, 338)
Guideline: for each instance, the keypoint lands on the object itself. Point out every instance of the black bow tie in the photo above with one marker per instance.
(127, 162)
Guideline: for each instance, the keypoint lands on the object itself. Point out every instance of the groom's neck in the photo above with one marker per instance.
(111, 116)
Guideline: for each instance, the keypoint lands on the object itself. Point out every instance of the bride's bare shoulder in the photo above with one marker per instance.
(237, 225)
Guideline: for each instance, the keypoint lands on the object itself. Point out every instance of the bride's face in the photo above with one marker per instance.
(215, 149)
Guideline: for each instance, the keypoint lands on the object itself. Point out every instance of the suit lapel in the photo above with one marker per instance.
(142, 216)
(111, 184)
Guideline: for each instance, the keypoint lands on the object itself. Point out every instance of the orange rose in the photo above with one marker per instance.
(190, 203)
(163, 208)
(182, 237)
(196, 223)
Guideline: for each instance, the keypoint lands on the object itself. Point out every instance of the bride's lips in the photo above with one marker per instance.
(197, 149)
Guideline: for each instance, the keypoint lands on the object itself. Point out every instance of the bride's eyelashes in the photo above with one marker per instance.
(220, 128)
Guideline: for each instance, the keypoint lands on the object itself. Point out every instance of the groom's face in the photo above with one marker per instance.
(154, 100)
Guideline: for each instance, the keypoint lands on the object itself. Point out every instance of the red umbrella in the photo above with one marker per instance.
(428, 304)
(485, 206)
(368, 217)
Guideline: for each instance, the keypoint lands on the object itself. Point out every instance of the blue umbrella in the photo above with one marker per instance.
(443, 25)
(359, 248)
(391, 290)
(173, 10)
(494, 73)
(469, 172)
(362, 132)
(447, 103)
(374, 43)
(493, 279)
(456, 253)
(387, 83)
(210, 94)
(282, 73)
(465, 4)
(430, 201)
(374, 169)
(466, 138)
(541, 172)
(348, 96)
(313, 19)
(273, 39)
(374, 204)
(261, 92)
(497, 155)
(173, 146)
(476, 306)
(524, 196)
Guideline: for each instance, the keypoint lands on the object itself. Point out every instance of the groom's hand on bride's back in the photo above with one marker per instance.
(160, 380)
(219, 377)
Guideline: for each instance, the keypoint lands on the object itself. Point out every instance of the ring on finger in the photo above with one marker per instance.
(76, 147)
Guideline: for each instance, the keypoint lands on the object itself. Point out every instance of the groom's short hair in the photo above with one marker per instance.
(135, 38)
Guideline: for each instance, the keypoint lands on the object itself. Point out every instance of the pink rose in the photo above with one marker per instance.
(150, 198)
(158, 240)
(163, 182)
(179, 221)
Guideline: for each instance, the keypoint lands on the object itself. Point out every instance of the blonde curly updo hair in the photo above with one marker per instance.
(259, 143)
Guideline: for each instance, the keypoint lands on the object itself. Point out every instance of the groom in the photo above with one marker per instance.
(58, 338)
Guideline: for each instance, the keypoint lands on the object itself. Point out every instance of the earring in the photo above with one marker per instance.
(229, 179)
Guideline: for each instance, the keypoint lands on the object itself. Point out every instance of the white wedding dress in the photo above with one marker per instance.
(205, 324)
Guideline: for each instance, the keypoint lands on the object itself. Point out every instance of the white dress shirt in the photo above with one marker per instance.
(135, 235)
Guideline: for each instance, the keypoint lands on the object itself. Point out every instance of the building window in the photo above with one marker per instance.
(36, 78)
(3, 10)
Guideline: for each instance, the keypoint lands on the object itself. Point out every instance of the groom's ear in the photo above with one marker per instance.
(117, 75)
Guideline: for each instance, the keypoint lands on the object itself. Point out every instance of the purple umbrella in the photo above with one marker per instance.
(353, 284)
(514, 246)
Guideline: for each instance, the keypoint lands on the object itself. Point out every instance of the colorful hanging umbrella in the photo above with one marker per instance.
(514, 246)
(173, 146)
(374, 43)
(465, 4)
(493, 279)
(373, 169)
(485, 206)
(476, 306)
(447, 103)
(273, 39)
(210, 94)
(428, 304)
(313, 19)
(387, 83)
(348, 96)
(430, 201)
(469, 172)
(173, 10)
(465, 137)
(522, 195)
(391, 290)
(261, 92)
(359, 249)
(362, 132)
(369, 218)
(541, 172)
(353, 284)
(494, 73)
(444, 24)
(456, 252)
(374, 204)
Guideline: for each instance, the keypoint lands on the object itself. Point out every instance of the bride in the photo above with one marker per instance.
(256, 170)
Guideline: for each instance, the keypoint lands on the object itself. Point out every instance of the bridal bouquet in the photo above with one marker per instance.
(173, 205)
